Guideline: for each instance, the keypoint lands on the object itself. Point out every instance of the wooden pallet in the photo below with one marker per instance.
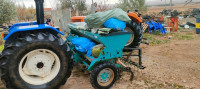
(145, 26)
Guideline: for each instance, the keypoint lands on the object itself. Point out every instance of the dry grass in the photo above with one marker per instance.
(156, 39)
(179, 7)
(159, 38)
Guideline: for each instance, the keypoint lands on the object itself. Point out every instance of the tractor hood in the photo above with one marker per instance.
(22, 24)
(27, 27)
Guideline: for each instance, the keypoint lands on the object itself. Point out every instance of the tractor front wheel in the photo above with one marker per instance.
(35, 61)
(103, 75)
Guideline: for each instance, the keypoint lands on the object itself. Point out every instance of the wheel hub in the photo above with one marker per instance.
(104, 76)
(39, 66)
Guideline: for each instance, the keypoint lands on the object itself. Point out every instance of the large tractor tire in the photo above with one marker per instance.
(104, 75)
(36, 61)
(136, 37)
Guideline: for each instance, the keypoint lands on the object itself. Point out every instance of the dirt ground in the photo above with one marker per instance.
(174, 65)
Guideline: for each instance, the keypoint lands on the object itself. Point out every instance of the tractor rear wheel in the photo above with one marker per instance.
(36, 61)
(136, 37)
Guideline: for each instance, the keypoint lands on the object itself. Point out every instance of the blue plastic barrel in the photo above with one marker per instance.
(198, 25)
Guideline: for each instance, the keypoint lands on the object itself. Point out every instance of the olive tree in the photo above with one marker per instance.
(132, 5)
(76, 5)
(7, 11)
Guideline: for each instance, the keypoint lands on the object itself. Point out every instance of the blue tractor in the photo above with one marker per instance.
(36, 57)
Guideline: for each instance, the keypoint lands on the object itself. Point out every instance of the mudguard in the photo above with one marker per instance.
(20, 27)
(135, 17)
(22, 24)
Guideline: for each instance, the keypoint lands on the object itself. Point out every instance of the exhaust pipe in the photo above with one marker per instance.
(39, 11)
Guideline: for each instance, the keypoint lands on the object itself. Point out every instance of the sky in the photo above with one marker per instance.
(51, 3)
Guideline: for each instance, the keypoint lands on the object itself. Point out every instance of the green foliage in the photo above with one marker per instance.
(189, 33)
(7, 11)
(1, 44)
(1, 47)
(79, 5)
(75, 5)
(66, 3)
(186, 37)
(132, 5)
(178, 36)
(155, 40)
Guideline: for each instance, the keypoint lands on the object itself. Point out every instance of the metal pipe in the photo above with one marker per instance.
(170, 7)
(120, 62)
(140, 57)
(39, 11)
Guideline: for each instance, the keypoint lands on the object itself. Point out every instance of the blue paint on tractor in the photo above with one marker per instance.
(22, 24)
(19, 27)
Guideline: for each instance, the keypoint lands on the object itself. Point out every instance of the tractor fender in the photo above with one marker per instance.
(134, 17)
(23, 24)
(30, 28)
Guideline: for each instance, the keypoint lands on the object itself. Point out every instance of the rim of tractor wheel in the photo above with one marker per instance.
(132, 36)
(105, 77)
(39, 66)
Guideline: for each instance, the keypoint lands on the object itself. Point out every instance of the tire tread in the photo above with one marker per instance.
(12, 48)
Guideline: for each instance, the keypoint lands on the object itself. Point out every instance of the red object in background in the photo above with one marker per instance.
(47, 9)
(174, 24)
(162, 18)
(50, 24)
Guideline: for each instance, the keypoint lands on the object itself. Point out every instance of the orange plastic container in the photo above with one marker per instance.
(77, 18)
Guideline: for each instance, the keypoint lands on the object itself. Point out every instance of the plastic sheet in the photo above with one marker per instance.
(115, 24)
(83, 45)
(98, 19)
